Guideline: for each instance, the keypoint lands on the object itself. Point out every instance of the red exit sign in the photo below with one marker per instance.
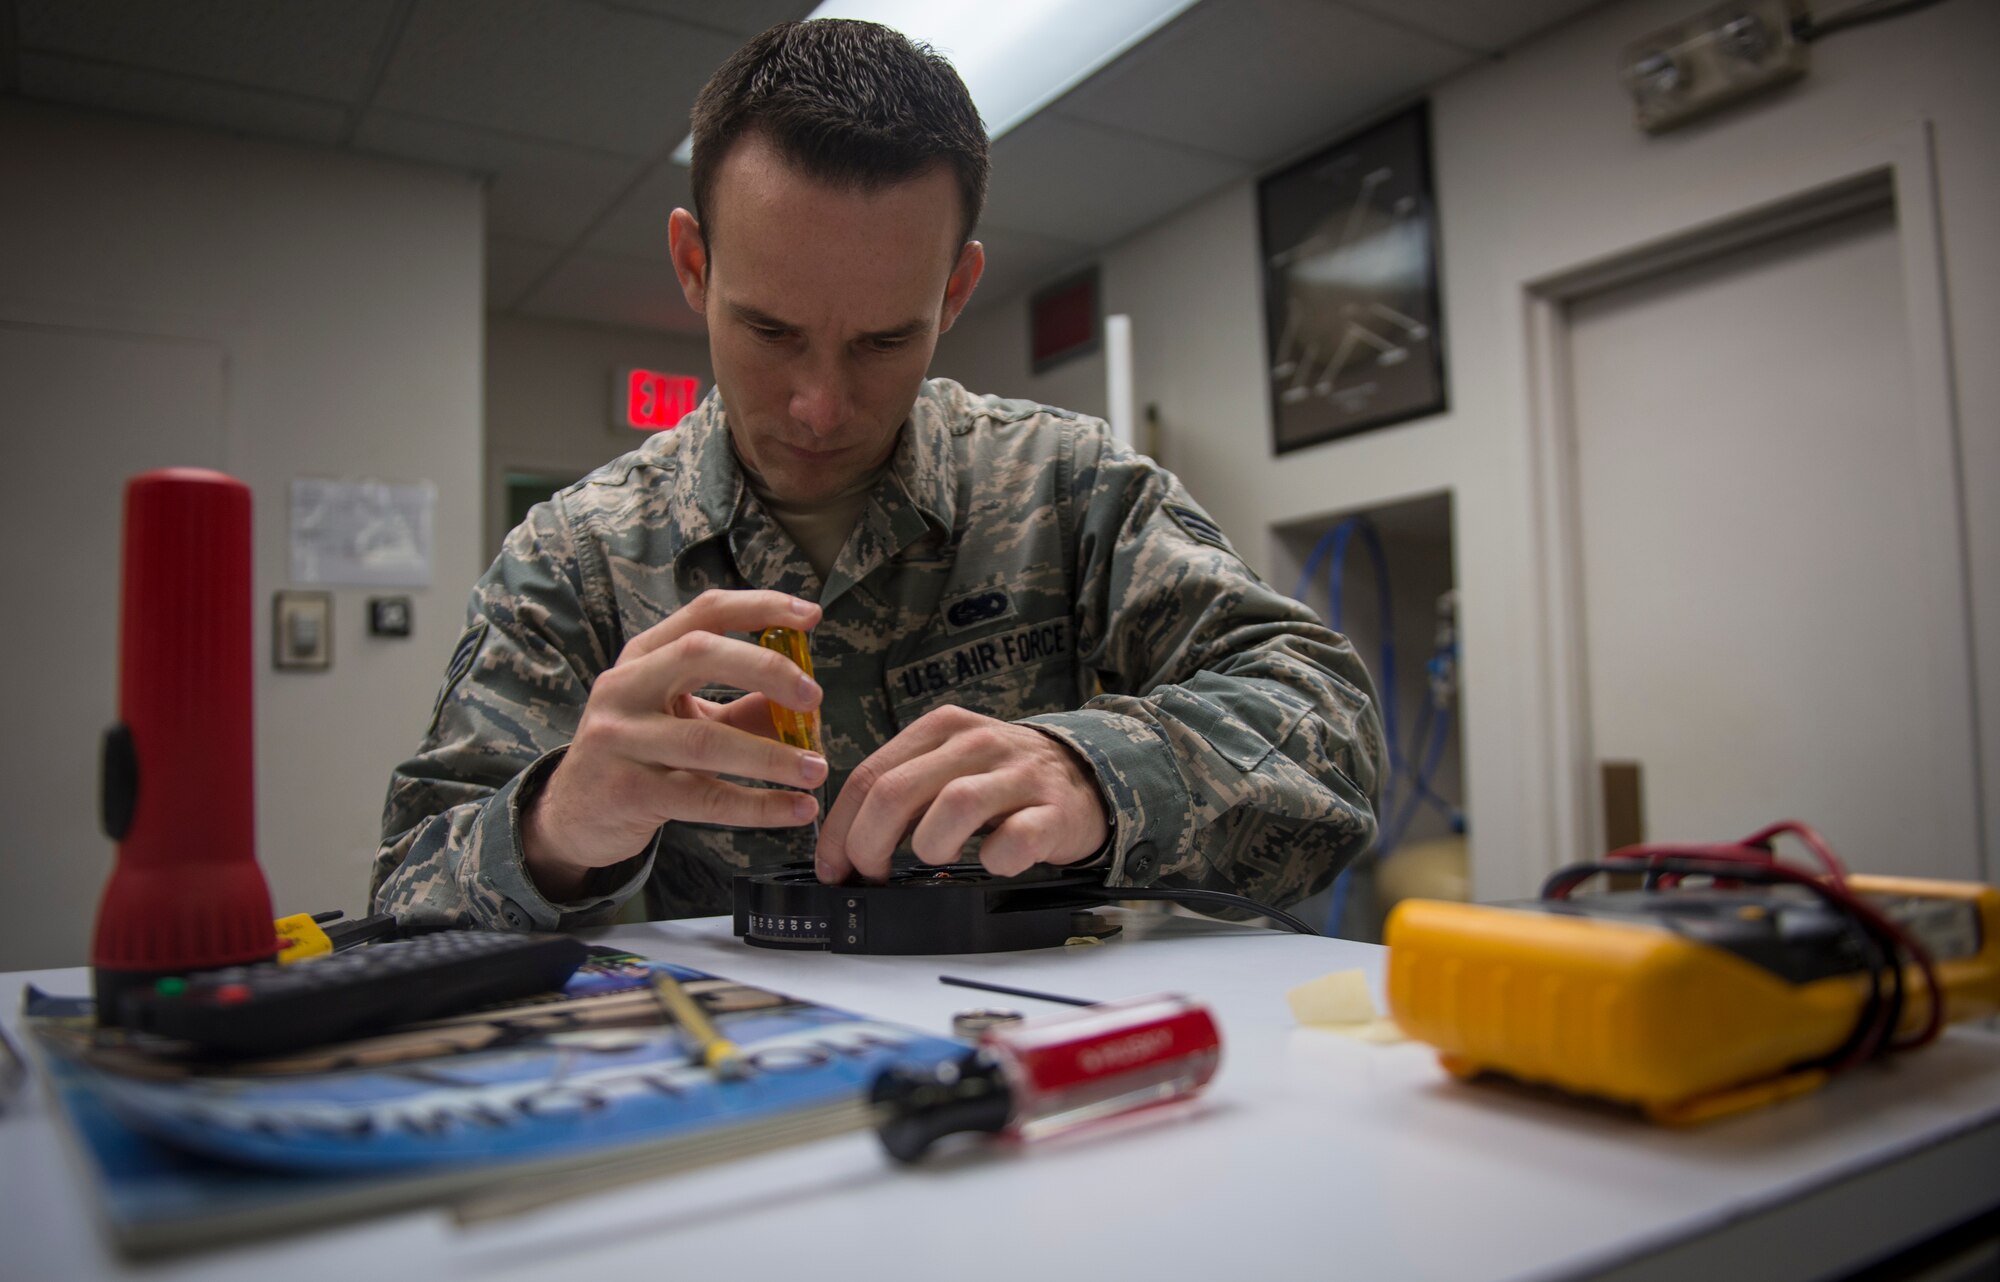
(649, 401)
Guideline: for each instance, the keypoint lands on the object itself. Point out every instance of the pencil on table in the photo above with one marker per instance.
(713, 1049)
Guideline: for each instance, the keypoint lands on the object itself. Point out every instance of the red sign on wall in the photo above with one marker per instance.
(654, 401)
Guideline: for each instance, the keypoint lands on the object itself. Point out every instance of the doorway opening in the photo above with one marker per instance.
(1385, 577)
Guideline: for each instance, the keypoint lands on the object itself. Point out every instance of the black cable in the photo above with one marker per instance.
(1809, 29)
(1873, 1034)
(1869, 1025)
(1222, 899)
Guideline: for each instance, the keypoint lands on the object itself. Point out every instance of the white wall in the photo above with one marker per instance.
(548, 398)
(346, 295)
(1538, 168)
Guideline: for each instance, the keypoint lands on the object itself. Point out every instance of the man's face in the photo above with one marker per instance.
(824, 305)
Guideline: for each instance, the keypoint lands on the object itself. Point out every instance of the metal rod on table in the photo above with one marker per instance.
(956, 982)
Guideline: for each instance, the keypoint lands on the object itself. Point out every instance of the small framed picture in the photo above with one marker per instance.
(302, 630)
(1351, 310)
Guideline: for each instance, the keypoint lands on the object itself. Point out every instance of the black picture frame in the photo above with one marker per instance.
(1354, 333)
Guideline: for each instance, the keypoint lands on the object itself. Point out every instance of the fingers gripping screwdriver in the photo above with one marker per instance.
(799, 729)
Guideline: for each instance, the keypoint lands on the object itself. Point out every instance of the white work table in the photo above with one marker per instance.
(1312, 1155)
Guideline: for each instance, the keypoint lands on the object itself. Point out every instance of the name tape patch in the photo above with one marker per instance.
(1023, 647)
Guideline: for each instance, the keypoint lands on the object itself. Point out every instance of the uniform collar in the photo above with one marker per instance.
(915, 494)
(923, 461)
(708, 486)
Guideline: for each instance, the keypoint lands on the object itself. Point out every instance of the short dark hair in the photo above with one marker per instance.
(853, 104)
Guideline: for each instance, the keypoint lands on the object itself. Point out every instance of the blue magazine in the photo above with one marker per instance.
(186, 1153)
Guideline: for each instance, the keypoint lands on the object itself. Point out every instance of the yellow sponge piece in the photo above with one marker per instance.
(1341, 1003)
(1339, 998)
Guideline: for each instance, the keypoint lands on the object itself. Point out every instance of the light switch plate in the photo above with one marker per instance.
(301, 630)
(388, 616)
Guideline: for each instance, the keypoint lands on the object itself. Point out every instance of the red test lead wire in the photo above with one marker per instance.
(1666, 865)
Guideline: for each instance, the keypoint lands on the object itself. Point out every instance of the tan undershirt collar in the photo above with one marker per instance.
(820, 528)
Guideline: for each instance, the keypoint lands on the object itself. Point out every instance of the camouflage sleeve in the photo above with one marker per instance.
(1237, 741)
(512, 696)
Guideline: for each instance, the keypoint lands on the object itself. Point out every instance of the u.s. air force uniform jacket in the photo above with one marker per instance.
(1013, 559)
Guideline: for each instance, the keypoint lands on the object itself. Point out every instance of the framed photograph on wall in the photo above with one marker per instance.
(1353, 329)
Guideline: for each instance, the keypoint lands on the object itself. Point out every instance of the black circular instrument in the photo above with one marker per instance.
(960, 908)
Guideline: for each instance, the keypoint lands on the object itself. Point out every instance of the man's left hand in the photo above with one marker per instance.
(953, 774)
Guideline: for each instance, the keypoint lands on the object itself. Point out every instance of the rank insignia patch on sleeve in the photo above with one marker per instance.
(1198, 526)
(461, 663)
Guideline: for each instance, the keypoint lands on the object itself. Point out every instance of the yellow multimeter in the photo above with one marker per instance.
(1688, 1004)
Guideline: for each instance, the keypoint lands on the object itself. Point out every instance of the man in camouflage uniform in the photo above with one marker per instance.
(1025, 635)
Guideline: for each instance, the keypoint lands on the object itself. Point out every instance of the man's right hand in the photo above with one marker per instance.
(648, 751)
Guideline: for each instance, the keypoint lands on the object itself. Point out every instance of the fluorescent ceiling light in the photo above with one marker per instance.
(1015, 56)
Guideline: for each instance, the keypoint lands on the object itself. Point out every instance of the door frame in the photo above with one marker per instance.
(1896, 168)
(144, 324)
(69, 900)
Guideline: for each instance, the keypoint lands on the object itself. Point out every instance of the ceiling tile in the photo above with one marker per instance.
(539, 191)
(512, 266)
(611, 289)
(166, 97)
(1018, 261)
(570, 72)
(1069, 180)
(743, 17)
(319, 48)
(1486, 25)
(637, 226)
(1258, 79)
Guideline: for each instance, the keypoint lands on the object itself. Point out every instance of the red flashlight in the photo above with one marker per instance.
(186, 893)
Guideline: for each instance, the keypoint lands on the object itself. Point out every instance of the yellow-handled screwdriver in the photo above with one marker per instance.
(715, 1052)
(799, 729)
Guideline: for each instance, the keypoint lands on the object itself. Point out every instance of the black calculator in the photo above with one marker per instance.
(269, 1009)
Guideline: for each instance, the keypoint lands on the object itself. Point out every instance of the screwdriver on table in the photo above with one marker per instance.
(799, 729)
(1043, 1077)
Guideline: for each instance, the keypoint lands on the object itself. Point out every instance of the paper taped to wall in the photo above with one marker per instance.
(362, 533)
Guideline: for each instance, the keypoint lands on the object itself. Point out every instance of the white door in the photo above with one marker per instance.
(82, 410)
(1775, 626)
